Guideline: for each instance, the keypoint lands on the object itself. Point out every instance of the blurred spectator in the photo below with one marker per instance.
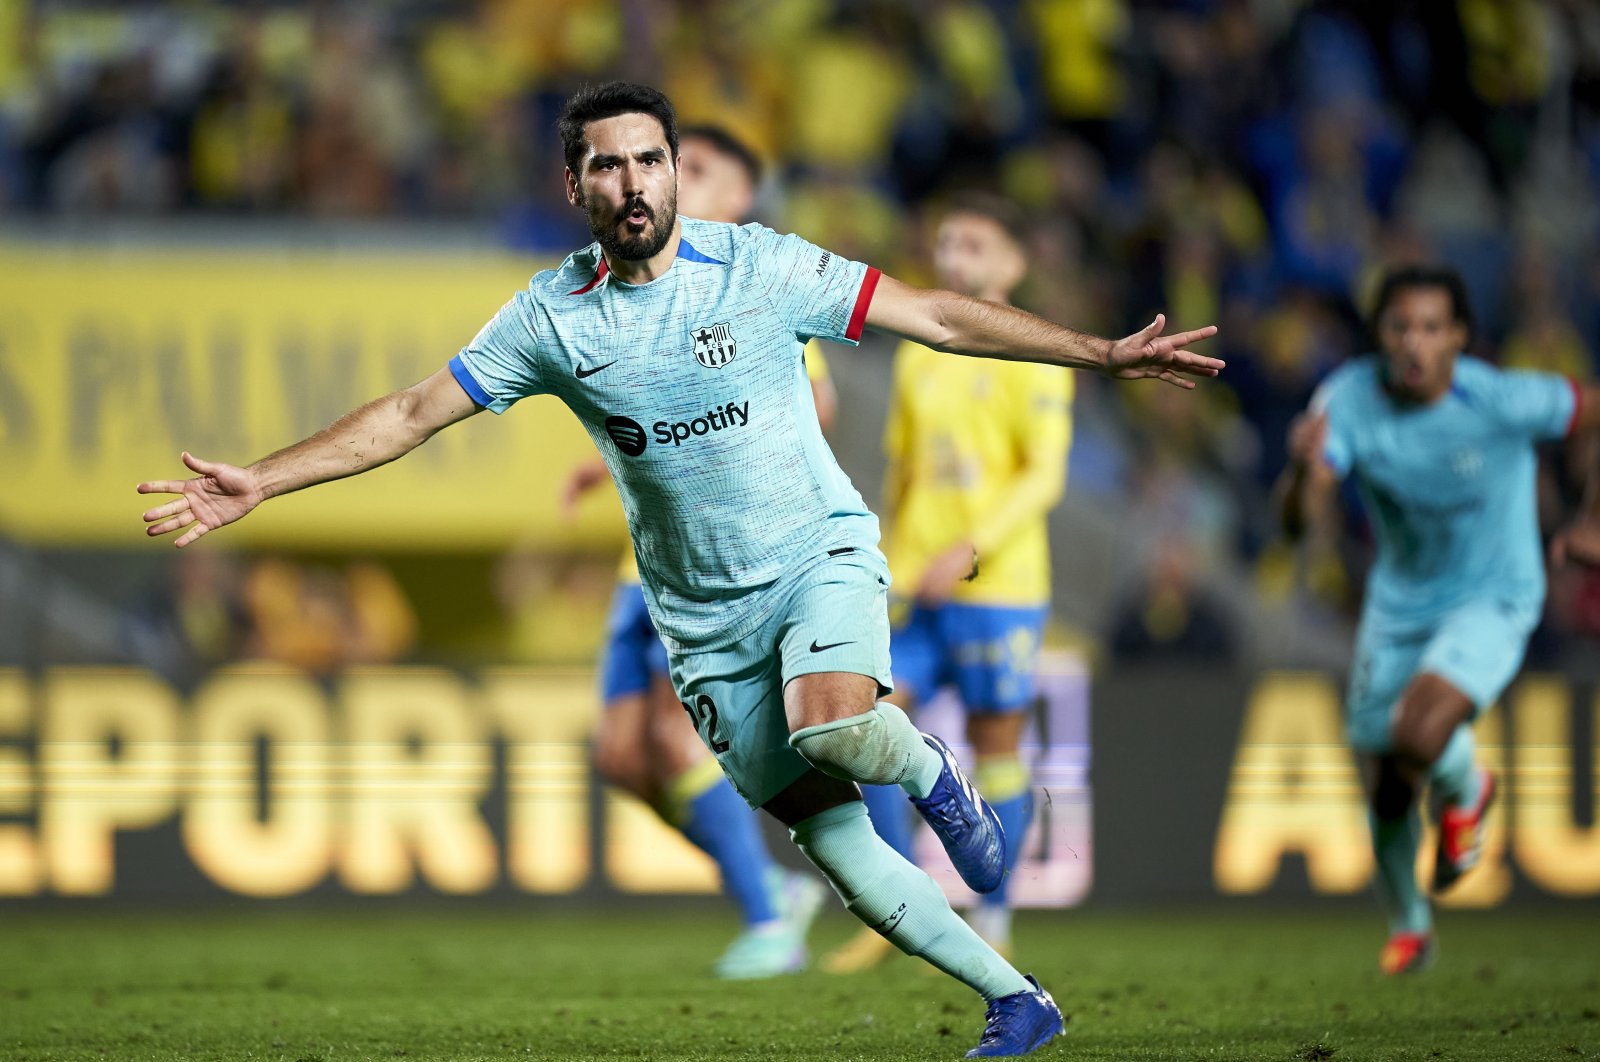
(322, 618)
(555, 607)
(1170, 616)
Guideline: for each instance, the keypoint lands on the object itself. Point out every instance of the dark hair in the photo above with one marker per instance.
(1003, 212)
(727, 144)
(591, 104)
(1405, 278)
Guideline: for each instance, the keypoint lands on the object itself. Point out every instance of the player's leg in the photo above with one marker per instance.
(1396, 821)
(896, 899)
(740, 696)
(890, 813)
(776, 905)
(1003, 778)
(916, 661)
(1384, 664)
(841, 730)
(996, 650)
(618, 746)
(1467, 665)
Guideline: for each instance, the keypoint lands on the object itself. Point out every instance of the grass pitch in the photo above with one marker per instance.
(533, 981)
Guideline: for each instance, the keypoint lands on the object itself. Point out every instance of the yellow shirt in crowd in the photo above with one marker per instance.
(977, 450)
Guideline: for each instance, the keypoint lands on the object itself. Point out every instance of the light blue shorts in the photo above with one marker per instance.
(834, 619)
(1477, 648)
(988, 652)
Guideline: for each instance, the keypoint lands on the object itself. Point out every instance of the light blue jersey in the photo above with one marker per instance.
(1449, 486)
(694, 389)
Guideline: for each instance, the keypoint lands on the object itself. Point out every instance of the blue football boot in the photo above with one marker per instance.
(1019, 1024)
(964, 823)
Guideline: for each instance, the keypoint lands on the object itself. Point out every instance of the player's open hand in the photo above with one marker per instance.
(957, 564)
(1307, 433)
(220, 495)
(1149, 353)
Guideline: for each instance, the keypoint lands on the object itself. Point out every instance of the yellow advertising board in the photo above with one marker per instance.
(112, 362)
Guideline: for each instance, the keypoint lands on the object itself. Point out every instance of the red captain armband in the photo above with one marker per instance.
(1577, 406)
(858, 315)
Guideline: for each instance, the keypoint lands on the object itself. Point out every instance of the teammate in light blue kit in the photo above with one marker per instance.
(677, 344)
(1442, 447)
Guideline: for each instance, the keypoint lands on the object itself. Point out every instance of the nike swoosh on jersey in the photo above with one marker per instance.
(815, 648)
(583, 373)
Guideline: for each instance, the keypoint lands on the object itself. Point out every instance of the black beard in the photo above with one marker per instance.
(635, 248)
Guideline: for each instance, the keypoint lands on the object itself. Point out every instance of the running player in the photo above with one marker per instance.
(677, 343)
(645, 743)
(1442, 448)
(977, 457)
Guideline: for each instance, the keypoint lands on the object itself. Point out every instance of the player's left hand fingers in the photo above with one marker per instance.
(183, 519)
(161, 512)
(162, 486)
(1175, 380)
(191, 535)
(1199, 364)
(1183, 339)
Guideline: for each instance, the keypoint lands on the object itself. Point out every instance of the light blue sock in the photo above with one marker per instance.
(1395, 844)
(1455, 774)
(900, 901)
(722, 826)
(891, 816)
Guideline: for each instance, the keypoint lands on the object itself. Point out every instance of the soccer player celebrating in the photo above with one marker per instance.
(977, 457)
(677, 343)
(1442, 447)
(645, 743)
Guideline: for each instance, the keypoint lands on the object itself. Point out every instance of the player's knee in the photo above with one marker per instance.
(835, 751)
(618, 759)
(1420, 735)
(858, 748)
(1427, 715)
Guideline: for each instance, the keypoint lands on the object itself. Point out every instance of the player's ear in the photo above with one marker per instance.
(574, 189)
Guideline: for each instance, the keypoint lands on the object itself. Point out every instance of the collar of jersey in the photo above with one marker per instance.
(686, 252)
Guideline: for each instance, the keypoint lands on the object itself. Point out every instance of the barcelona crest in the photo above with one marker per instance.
(713, 345)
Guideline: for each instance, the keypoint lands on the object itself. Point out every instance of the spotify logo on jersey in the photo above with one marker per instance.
(627, 434)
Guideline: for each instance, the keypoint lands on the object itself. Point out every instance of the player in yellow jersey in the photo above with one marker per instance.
(645, 743)
(977, 454)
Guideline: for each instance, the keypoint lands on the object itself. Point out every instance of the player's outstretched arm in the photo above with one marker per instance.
(375, 434)
(961, 325)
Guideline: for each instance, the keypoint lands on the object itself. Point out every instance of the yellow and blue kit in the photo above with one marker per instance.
(977, 452)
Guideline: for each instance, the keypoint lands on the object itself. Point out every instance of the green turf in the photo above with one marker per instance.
(631, 983)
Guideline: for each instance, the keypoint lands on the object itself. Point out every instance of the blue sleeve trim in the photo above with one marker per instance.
(687, 252)
(470, 384)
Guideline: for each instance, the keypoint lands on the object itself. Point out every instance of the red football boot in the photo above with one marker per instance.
(1461, 835)
(1406, 953)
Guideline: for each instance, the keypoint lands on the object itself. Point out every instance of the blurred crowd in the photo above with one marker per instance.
(1248, 162)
